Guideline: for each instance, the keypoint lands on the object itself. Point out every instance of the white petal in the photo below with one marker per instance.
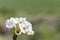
(13, 20)
(31, 33)
(22, 19)
(28, 25)
(21, 28)
(8, 24)
(17, 20)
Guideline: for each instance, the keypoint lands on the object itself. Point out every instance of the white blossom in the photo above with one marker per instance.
(24, 26)
(10, 23)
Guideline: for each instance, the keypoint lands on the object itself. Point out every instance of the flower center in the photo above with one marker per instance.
(17, 30)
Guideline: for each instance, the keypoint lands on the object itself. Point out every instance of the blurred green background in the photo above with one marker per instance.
(43, 14)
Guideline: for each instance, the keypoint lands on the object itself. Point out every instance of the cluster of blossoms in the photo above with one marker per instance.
(19, 26)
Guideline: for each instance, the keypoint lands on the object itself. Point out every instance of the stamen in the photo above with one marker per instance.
(24, 28)
(17, 30)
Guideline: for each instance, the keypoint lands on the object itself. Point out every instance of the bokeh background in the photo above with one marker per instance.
(43, 14)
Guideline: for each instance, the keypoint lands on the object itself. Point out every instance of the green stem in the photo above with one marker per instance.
(14, 37)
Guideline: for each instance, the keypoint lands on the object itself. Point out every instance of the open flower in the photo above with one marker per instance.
(26, 27)
(10, 23)
(20, 25)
